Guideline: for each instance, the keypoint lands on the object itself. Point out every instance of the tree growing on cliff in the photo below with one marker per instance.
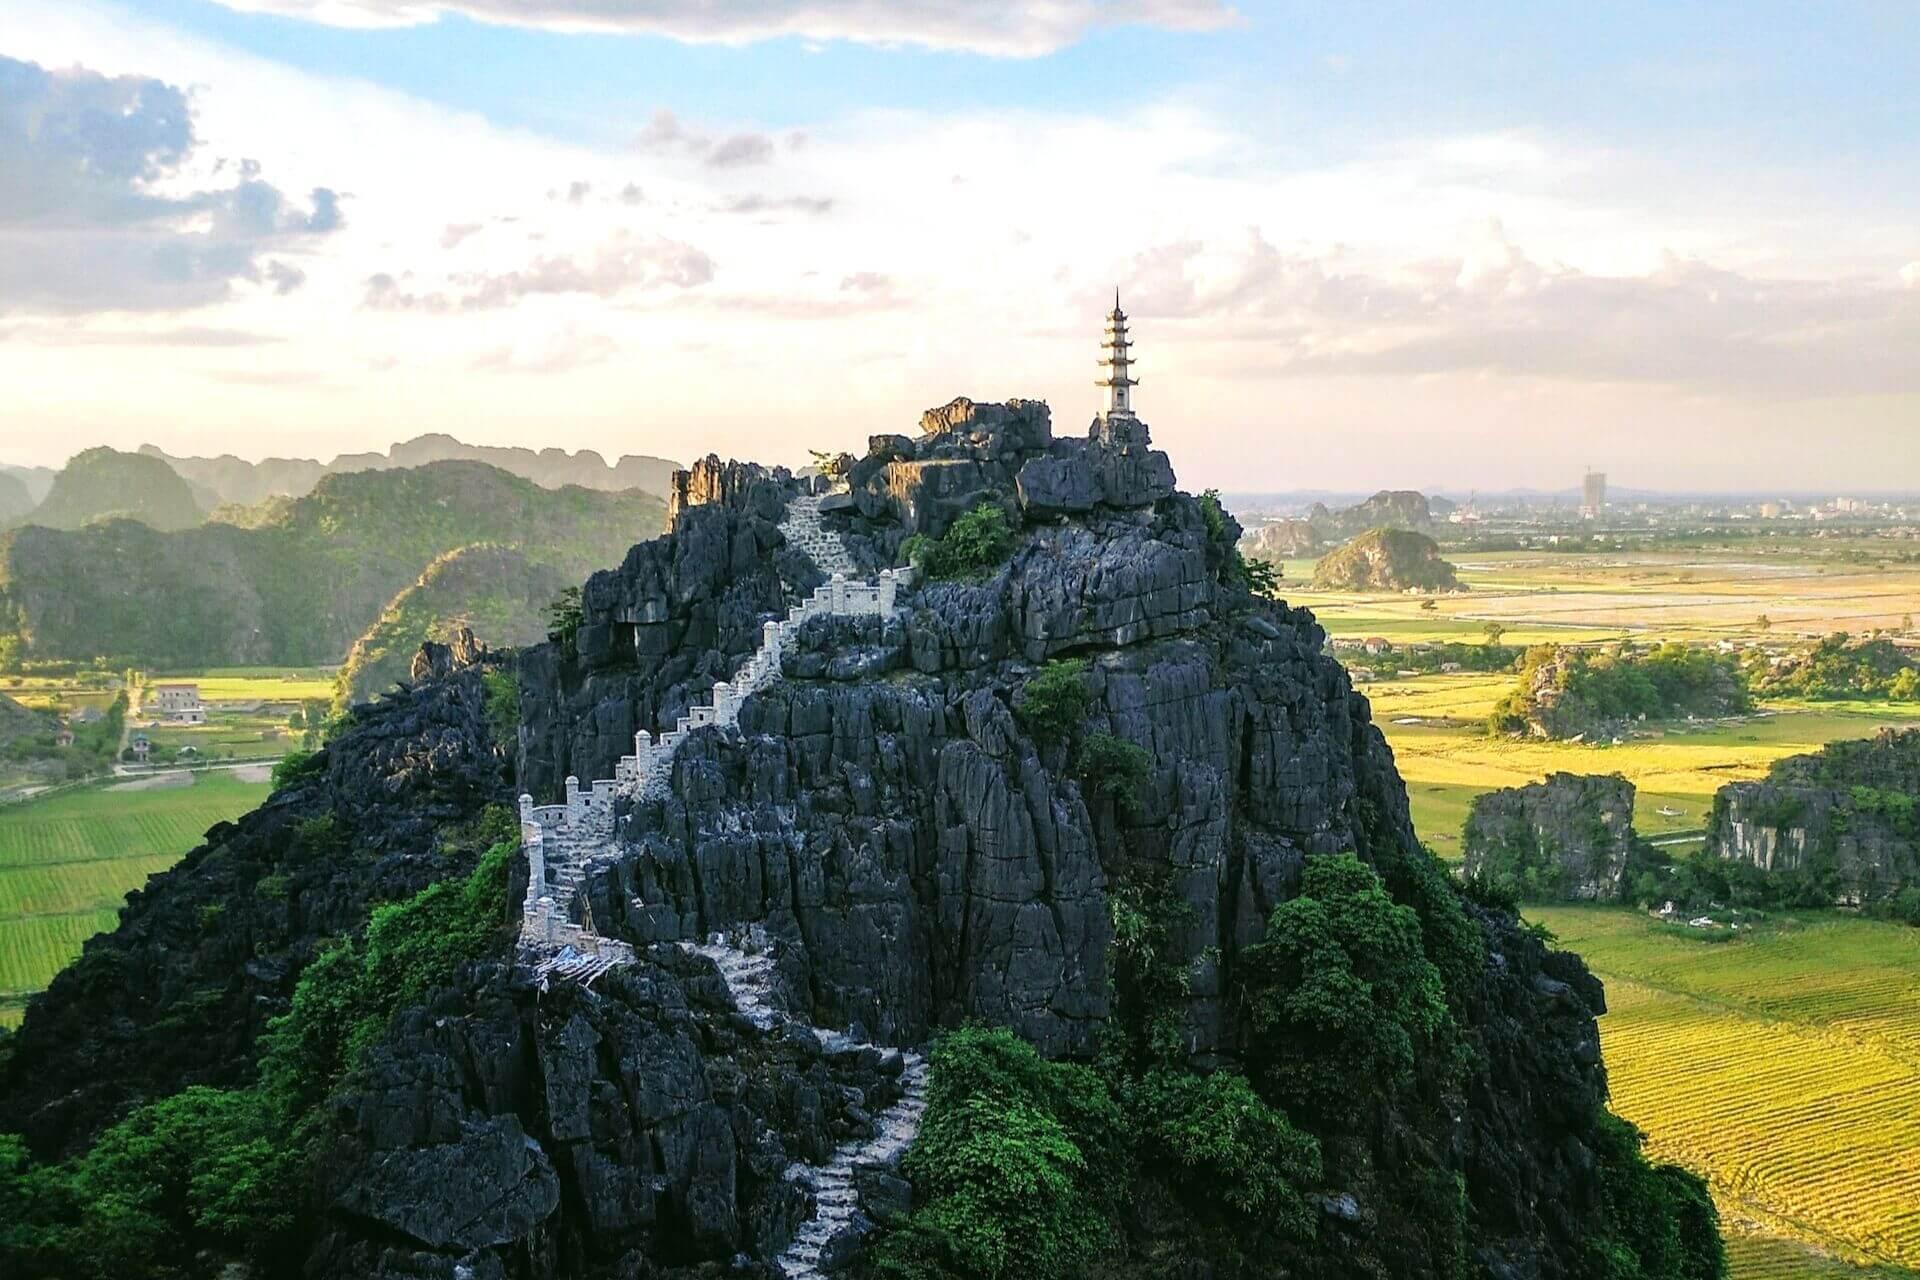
(1341, 990)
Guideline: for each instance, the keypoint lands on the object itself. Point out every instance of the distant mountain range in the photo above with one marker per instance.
(231, 479)
(171, 492)
(302, 583)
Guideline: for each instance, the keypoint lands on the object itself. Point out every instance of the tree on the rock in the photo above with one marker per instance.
(1341, 990)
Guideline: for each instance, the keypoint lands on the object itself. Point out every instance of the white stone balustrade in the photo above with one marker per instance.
(566, 842)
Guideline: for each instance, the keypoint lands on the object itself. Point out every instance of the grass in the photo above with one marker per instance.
(1784, 1066)
(1755, 1255)
(1594, 597)
(67, 861)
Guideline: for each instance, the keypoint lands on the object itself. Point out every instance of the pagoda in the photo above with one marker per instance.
(1117, 362)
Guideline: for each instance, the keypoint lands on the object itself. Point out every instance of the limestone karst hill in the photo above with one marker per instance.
(1071, 778)
(1385, 560)
(1833, 826)
(104, 484)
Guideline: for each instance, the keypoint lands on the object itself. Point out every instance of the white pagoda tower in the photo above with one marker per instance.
(1117, 361)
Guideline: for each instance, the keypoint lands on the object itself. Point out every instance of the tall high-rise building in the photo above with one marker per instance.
(1593, 495)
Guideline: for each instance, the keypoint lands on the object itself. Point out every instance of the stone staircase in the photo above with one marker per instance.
(567, 843)
(803, 529)
(750, 977)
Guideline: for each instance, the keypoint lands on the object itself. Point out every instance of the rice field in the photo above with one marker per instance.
(67, 861)
(1784, 1067)
(1592, 597)
(1435, 725)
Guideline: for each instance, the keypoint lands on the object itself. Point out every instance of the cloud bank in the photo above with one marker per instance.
(999, 28)
(99, 212)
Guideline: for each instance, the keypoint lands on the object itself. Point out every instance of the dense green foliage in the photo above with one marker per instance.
(291, 767)
(1342, 990)
(1665, 1226)
(298, 589)
(1115, 768)
(1428, 659)
(212, 1169)
(979, 540)
(1016, 1166)
(564, 615)
(503, 705)
(1839, 667)
(1053, 701)
(1565, 692)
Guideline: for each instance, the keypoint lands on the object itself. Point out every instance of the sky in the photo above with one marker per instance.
(1381, 245)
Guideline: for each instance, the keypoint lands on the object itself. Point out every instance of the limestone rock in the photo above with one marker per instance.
(1841, 819)
(1568, 838)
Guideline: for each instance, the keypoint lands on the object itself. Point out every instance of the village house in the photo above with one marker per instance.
(178, 703)
(1376, 645)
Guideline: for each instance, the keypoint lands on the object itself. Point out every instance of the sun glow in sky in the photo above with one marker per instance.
(1366, 245)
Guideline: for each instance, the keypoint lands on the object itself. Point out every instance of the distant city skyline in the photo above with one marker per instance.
(1404, 247)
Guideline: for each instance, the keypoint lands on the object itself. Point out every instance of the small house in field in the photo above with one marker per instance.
(1376, 645)
(177, 703)
(63, 736)
(1450, 668)
(140, 747)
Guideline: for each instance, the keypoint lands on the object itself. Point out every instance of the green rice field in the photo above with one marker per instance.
(1783, 1066)
(68, 860)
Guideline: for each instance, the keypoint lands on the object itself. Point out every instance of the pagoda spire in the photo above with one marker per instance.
(1116, 359)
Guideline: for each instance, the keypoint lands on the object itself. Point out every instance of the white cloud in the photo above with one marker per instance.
(1004, 28)
(1427, 287)
(101, 208)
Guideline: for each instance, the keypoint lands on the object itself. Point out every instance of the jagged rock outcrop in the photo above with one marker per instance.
(436, 661)
(1841, 819)
(1567, 838)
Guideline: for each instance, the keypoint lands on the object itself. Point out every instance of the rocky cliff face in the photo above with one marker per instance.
(1567, 838)
(905, 855)
(1841, 819)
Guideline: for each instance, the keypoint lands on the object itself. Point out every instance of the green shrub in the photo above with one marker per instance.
(1053, 702)
(564, 618)
(1227, 1147)
(503, 706)
(273, 886)
(1115, 768)
(292, 767)
(1341, 990)
(1661, 1223)
(210, 916)
(977, 541)
(1016, 1165)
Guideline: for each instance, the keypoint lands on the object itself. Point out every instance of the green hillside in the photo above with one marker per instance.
(15, 498)
(299, 588)
(103, 484)
(497, 591)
